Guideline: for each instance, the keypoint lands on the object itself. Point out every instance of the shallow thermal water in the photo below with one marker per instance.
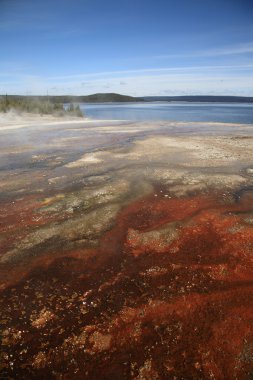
(213, 112)
(126, 251)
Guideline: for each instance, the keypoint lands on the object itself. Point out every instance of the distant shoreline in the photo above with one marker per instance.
(12, 120)
(118, 98)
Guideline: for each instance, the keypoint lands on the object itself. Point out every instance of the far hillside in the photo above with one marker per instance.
(94, 98)
(118, 98)
(200, 98)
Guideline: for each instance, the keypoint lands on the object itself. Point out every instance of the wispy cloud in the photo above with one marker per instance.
(149, 84)
(181, 70)
(233, 50)
(245, 48)
(205, 79)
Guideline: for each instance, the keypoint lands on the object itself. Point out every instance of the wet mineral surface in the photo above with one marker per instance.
(126, 251)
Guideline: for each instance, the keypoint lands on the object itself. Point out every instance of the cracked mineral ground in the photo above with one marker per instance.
(126, 251)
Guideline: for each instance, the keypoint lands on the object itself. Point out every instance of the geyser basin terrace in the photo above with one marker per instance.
(126, 250)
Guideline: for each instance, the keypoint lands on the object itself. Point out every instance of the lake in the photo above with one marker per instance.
(209, 112)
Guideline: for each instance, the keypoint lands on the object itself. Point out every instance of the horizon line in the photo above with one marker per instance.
(131, 96)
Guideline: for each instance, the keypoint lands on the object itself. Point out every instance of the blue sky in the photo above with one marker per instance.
(135, 47)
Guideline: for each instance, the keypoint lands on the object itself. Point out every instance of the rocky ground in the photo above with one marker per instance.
(126, 250)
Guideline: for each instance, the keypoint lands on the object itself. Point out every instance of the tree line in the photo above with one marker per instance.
(38, 106)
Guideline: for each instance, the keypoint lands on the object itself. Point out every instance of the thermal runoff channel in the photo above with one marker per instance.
(126, 250)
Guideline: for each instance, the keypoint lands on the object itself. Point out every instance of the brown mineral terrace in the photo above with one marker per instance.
(126, 250)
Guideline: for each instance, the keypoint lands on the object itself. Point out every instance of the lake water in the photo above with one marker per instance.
(213, 112)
